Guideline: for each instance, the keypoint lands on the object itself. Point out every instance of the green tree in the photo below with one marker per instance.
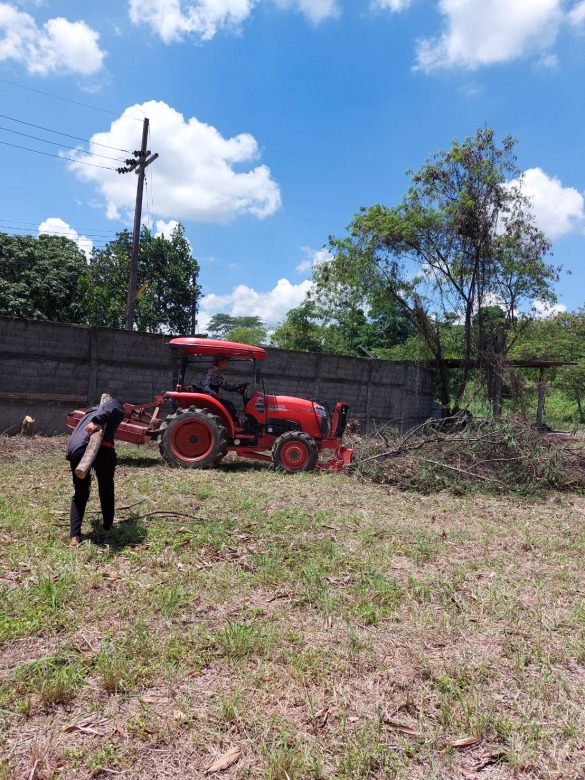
(300, 330)
(345, 330)
(462, 238)
(249, 330)
(571, 381)
(166, 280)
(104, 286)
(38, 277)
(248, 335)
(561, 337)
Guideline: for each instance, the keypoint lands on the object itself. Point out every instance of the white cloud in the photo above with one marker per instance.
(577, 14)
(59, 46)
(315, 10)
(312, 258)
(549, 61)
(392, 5)
(539, 309)
(194, 177)
(304, 266)
(557, 209)
(479, 32)
(165, 228)
(53, 226)
(271, 306)
(542, 310)
(172, 20)
(471, 90)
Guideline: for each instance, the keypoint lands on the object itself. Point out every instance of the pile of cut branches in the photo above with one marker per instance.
(462, 454)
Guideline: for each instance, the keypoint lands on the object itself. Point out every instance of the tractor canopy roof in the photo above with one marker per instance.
(190, 345)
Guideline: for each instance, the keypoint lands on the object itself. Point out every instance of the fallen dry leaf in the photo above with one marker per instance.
(278, 596)
(402, 727)
(82, 648)
(463, 742)
(491, 758)
(226, 760)
(154, 698)
(83, 729)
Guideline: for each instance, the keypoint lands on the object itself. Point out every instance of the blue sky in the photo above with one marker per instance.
(275, 120)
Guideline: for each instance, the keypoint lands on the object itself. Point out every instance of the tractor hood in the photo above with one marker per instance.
(289, 403)
(312, 417)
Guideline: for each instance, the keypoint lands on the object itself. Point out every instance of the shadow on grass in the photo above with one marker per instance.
(128, 533)
(142, 461)
(239, 464)
(243, 465)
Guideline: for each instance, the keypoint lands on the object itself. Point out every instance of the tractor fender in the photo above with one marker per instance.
(203, 401)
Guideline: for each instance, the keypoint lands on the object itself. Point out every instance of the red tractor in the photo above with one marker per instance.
(289, 432)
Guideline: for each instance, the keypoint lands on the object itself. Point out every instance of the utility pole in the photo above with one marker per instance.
(194, 309)
(139, 165)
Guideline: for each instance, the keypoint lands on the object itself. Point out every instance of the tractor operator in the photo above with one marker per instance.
(213, 380)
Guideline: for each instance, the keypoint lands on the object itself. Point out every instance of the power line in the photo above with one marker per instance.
(67, 135)
(94, 244)
(67, 100)
(13, 222)
(55, 143)
(58, 231)
(58, 156)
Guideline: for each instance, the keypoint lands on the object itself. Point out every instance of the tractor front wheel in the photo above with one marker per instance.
(294, 451)
(193, 438)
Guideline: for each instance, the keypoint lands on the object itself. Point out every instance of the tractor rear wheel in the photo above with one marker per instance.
(193, 439)
(295, 451)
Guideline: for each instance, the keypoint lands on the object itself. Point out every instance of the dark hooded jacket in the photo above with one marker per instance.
(108, 415)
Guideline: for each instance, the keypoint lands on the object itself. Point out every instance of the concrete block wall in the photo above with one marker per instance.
(49, 368)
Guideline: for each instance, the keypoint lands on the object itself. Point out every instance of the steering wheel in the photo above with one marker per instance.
(241, 389)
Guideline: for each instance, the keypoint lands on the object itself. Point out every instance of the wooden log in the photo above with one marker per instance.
(95, 441)
(26, 429)
(84, 465)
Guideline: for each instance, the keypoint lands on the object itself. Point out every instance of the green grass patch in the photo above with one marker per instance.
(328, 626)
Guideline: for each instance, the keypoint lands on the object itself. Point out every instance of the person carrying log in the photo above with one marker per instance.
(91, 445)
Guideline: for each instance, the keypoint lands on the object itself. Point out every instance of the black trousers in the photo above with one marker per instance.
(104, 466)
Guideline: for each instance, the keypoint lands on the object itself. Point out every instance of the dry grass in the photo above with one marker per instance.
(326, 626)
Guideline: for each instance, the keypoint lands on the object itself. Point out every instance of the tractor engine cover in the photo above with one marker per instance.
(285, 412)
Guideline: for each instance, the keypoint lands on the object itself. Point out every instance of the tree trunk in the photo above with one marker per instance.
(26, 428)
